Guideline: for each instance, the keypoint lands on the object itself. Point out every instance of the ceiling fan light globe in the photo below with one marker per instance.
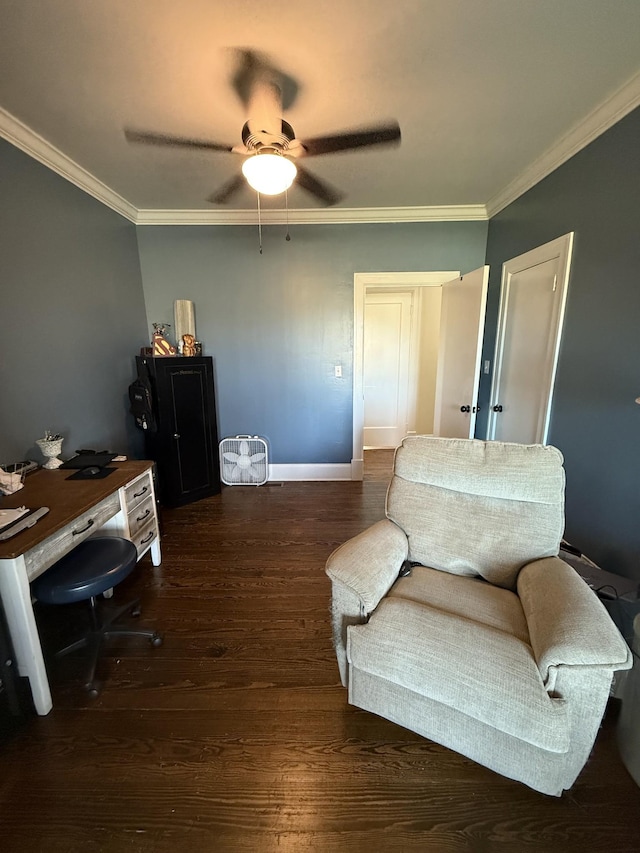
(269, 174)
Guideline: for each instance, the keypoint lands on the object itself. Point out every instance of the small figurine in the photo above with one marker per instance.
(159, 343)
(188, 345)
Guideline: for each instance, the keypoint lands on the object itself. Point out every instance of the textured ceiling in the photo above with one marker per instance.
(481, 90)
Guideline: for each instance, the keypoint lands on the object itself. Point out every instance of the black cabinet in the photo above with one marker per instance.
(185, 443)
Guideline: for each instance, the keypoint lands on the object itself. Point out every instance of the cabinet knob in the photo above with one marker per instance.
(497, 408)
(176, 435)
(465, 408)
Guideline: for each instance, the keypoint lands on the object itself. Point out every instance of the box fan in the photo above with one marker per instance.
(243, 461)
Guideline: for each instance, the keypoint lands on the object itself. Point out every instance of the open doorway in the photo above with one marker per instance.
(401, 331)
(419, 410)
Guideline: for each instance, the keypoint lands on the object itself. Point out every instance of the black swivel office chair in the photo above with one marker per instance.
(92, 568)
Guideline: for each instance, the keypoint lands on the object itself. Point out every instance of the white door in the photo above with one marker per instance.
(532, 301)
(464, 302)
(387, 345)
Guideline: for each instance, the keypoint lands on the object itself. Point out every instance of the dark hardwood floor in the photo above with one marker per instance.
(236, 735)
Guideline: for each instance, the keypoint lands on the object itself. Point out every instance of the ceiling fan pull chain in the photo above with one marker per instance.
(259, 225)
(286, 204)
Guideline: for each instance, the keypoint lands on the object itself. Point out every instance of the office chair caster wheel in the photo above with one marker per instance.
(156, 640)
(93, 689)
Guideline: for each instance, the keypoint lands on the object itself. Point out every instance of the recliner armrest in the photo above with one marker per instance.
(369, 563)
(567, 623)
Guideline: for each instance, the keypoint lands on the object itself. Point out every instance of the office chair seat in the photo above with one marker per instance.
(93, 567)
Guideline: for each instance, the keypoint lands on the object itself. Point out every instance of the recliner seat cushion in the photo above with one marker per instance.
(471, 598)
(475, 669)
(477, 508)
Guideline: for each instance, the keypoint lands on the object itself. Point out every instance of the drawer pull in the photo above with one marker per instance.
(84, 529)
(147, 538)
(142, 517)
(139, 494)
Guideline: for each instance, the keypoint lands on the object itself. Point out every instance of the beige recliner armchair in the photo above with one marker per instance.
(493, 646)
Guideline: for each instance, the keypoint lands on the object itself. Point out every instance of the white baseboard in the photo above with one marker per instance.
(323, 471)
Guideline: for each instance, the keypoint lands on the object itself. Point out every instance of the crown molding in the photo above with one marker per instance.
(609, 112)
(335, 216)
(27, 140)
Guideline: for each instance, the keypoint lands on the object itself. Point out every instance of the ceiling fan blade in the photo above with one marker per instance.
(253, 67)
(166, 139)
(385, 134)
(250, 67)
(321, 190)
(257, 84)
(224, 193)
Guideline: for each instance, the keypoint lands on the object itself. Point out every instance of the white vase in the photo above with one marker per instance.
(50, 450)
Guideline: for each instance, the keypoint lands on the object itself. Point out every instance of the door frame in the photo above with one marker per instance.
(387, 280)
(562, 248)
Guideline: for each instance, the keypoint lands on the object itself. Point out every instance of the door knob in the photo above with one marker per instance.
(497, 408)
(465, 408)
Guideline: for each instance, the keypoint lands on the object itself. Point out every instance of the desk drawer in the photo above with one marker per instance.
(140, 516)
(145, 537)
(52, 549)
(138, 491)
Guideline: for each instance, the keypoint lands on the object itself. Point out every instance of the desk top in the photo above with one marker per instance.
(66, 499)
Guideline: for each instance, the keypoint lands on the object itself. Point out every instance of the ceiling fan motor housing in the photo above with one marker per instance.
(263, 139)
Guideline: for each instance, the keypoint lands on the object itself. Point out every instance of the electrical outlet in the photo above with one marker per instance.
(337, 371)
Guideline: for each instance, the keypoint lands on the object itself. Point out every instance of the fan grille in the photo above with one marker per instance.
(244, 461)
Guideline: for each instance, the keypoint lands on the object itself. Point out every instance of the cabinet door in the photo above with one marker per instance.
(185, 446)
(190, 420)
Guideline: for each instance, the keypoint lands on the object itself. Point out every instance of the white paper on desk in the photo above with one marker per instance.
(8, 516)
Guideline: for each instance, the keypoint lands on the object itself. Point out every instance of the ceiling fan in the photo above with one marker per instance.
(269, 144)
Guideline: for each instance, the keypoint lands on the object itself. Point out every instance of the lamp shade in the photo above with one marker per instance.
(269, 174)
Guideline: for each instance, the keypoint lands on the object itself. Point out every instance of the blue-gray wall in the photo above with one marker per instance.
(595, 421)
(71, 313)
(277, 323)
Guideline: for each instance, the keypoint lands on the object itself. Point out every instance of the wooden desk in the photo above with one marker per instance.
(121, 504)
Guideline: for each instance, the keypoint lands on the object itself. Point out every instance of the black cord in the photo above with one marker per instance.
(608, 586)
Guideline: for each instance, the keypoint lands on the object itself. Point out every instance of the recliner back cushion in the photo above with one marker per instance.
(478, 508)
